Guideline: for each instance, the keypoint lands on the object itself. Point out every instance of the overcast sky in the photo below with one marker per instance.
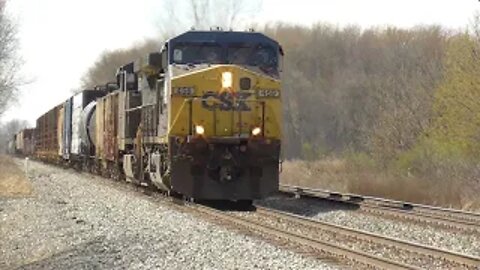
(60, 39)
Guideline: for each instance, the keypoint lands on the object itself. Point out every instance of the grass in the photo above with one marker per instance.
(13, 181)
(343, 175)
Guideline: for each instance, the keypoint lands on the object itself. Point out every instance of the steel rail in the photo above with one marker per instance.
(462, 259)
(301, 240)
(449, 222)
(444, 216)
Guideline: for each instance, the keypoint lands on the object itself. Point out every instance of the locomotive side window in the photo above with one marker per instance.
(177, 55)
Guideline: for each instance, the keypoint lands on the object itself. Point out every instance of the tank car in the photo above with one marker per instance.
(80, 131)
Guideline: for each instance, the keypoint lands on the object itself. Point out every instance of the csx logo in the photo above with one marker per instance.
(225, 101)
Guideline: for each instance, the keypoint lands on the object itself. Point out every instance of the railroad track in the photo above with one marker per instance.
(321, 238)
(317, 246)
(356, 248)
(444, 217)
(363, 248)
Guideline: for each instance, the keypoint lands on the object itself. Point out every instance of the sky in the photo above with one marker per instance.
(61, 39)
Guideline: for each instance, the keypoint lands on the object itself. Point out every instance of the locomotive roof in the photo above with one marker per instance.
(223, 37)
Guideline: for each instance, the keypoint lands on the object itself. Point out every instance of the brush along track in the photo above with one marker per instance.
(443, 217)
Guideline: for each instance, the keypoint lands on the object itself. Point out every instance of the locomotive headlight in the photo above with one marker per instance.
(227, 80)
(256, 131)
(199, 130)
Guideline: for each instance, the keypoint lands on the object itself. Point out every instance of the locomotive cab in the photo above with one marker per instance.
(211, 116)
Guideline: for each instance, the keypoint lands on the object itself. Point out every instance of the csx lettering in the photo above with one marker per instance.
(225, 101)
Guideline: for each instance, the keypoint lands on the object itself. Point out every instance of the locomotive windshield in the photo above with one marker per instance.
(192, 53)
(263, 56)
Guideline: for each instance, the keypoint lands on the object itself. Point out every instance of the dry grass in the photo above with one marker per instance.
(13, 182)
(339, 175)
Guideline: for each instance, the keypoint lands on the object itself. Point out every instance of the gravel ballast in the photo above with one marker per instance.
(80, 221)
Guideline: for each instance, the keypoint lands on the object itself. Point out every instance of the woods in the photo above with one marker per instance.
(348, 89)
(383, 111)
(105, 68)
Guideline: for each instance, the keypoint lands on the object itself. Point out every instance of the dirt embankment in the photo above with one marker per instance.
(13, 181)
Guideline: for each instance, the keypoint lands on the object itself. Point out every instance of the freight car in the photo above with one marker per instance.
(80, 130)
(47, 144)
(202, 118)
(11, 145)
(24, 142)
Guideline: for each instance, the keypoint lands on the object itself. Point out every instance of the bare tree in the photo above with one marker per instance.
(178, 15)
(104, 69)
(9, 60)
(181, 15)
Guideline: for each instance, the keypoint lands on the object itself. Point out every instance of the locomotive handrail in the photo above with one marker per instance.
(134, 109)
(177, 116)
(140, 107)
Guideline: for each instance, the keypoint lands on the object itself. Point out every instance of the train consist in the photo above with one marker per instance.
(201, 118)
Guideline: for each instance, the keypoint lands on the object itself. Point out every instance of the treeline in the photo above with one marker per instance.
(105, 68)
(401, 101)
(348, 89)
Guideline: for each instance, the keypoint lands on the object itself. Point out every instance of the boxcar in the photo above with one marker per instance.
(25, 142)
(106, 135)
(46, 135)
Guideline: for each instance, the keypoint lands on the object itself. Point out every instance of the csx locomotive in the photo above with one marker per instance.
(201, 118)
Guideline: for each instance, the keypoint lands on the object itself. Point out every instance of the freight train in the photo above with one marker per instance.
(201, 118)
